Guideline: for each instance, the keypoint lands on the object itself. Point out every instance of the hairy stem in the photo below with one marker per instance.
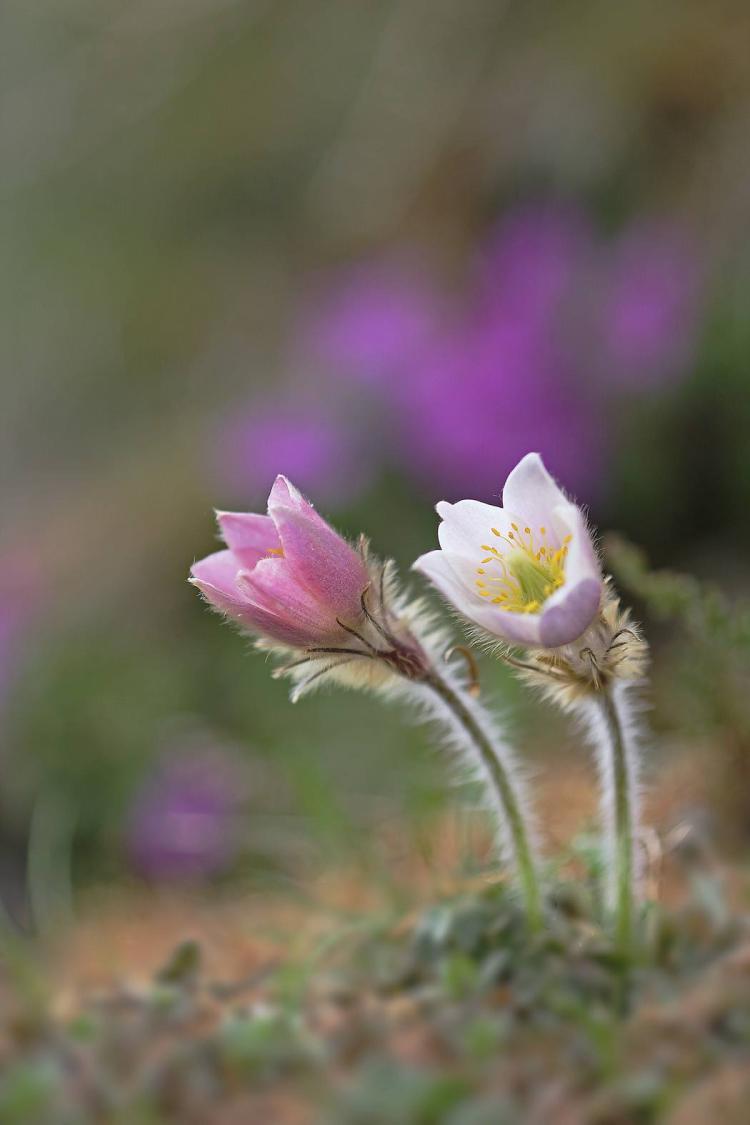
(505, 787)
(621, 770)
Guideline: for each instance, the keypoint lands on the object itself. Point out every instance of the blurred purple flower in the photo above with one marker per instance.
(533, 260)
(369, 326)
(471, 391)
(182, 824)
(320, 451)
(524, 360)
(650, 307)
(482, 397)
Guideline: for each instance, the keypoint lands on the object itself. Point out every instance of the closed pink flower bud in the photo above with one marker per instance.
(527, 572)
(287, 576)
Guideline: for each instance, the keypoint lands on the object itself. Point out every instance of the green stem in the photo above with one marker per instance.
(503, 784)
(624, 827)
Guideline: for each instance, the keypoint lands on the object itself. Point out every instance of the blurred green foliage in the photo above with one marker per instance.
(700, 680)
(703, 608)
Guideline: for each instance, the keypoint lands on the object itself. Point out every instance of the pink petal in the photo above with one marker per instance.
(250, 536)
(273, 587)
(318, 557)
(216, 578)
(248, 529)
(219, 572)
(285, 495)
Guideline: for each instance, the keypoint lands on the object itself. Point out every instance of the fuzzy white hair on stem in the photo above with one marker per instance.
(604, 731)
(470, 764)
(597, 678)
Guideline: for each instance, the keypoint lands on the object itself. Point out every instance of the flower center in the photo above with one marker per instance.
(524, 572)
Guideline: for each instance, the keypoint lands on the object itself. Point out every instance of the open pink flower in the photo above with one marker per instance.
(527, 572)
(287, 576)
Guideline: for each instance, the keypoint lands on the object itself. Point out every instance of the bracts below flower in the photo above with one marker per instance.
(333, 613)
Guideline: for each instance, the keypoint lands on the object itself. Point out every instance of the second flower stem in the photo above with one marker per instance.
(623, 824)
(505, 790)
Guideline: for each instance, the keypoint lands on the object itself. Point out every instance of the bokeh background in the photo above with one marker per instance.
(385, 248)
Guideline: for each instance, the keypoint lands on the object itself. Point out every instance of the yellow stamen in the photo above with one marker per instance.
(527, 576)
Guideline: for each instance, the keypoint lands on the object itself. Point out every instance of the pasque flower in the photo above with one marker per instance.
(287, 576)
(527, 572)
(295, 583)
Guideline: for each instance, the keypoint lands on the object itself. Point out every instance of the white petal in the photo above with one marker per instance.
(582, 561)
(532, 492)
(572, 608)
(516, 628)
(567, 615)
(468, 524)
(465, 571)
(435, 566)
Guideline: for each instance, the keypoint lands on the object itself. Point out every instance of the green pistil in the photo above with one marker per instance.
(535, 582)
